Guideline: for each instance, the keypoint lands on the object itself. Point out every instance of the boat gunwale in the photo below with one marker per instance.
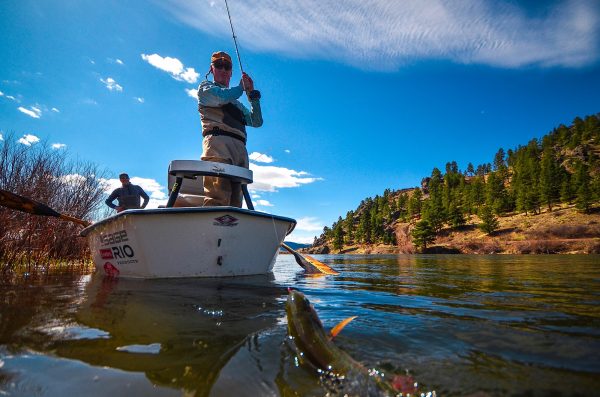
(186, 210)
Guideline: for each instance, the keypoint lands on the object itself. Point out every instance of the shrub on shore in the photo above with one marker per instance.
(46, 175)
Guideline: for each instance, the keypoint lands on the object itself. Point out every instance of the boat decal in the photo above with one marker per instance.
(106, 253)
(226, 220)
(114, 238)
(123, 254)
(217, 168)
(111, 270)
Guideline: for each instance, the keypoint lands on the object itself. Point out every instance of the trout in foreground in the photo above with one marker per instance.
(338, 370)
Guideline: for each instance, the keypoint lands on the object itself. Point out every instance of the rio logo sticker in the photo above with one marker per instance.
(226, 220)
(122, 251)
(122, 254)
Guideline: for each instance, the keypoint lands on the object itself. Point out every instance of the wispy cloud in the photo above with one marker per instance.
(139, 99)
(1, 137)
(58, 146)
(270, 178)
(383, 34)
(33, 111)
(260, 157)
(111, 84)
(119, 62)
(28, 140)
(173, 66)
(55, 110)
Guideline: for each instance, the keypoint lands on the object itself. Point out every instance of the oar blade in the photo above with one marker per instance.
(320, 266)
(24, 204)
(309, 264)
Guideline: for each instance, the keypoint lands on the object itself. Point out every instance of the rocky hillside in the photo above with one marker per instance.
(540, 198)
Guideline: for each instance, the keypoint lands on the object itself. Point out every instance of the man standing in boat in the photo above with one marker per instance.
(224, 120)
(128, 195)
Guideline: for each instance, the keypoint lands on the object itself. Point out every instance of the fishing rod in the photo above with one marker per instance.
(237, 51)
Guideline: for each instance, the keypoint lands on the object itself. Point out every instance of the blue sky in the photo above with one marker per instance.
(358, 96)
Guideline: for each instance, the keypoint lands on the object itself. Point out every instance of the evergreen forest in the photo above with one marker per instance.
(563, 167)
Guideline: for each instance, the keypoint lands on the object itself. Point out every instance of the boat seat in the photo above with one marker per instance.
(191, 169)
(191, 191)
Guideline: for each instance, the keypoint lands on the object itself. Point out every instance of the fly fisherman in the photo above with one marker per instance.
(224, 120)
(128, 195)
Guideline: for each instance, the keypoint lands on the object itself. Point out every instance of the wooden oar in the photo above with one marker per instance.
(308, 263)
(24, 204)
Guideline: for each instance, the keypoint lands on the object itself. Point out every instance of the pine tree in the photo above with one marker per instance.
(414, 203)
(349, 228)
(489, 222)
(422, 234)
(499, 163)
(338, 236)
(470, 170)
(549, 178)
(583, 199)
(456, 216)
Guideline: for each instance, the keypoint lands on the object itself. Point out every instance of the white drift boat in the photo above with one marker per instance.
(189, 241)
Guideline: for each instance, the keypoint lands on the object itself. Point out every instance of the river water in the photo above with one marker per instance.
(459, 325)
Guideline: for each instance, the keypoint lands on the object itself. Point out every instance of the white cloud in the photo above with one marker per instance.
(139, 99)
(1, 137)
(172, 66)
(383, 34)
(111, 84)
(119, 62)
(192, 93)
(269, 178)
(58, 146)
(301, 238)
(33, 111)
(260, 157)
(55, 110)
(150, 186)
(263, 203)
(309, 224)
(28, 140)
(306, 229)
(287, 150)
(89, 101)
(72, 179)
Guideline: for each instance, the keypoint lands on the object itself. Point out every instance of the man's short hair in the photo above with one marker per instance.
(123, 176)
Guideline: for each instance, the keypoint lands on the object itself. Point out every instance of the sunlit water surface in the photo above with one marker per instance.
(460, 325)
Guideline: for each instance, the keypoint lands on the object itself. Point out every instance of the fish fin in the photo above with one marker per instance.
(338, 328)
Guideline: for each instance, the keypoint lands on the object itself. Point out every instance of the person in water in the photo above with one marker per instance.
(224, 119)
(128, 195)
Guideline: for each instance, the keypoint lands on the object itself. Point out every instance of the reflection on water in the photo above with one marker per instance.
(503, 325)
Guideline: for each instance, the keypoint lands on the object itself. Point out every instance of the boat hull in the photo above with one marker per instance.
(187, 242)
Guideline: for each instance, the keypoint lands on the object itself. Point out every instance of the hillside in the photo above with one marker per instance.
(540, 198)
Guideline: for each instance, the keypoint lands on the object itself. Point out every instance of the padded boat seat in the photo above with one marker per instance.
(192, 171)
